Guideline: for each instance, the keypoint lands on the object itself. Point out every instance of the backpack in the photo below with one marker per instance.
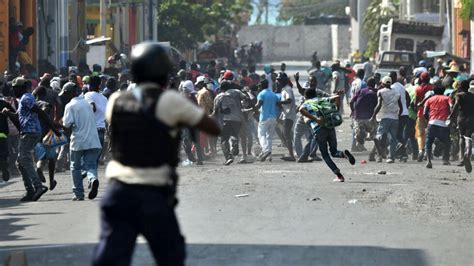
(328, 111)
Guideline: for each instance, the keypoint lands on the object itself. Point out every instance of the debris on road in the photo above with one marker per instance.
(363, 161)
(314, 199)
(352, 201)
(364, 190)
(241, 195)
(382, 172)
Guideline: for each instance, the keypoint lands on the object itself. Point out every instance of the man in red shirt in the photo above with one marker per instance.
(437, 110)
(421, 122)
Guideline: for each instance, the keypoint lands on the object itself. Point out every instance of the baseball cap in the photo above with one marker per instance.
(200, 79)
(425, 75)
(19, 81)
(228, 75)
(387, 80)
(69, 87)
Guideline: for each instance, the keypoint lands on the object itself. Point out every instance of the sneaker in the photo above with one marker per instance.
(446, 163)
(288, 159)
(305, 161)
(349, 157)
(94, 189)
(467, 164)
(228, 162)
(199, 163)
(5, 175)
(316, 158)
(39, 192)
(76, 198)
(28, 197)
(339, 178)
(379, 159)
(390, 161)
(460, 164)
(429, 166)
(264, 156)
(52, 185)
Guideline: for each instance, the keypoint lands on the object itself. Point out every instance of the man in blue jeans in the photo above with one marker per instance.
(323, 135)
(30, 134)
(85, 144)
(389, 108)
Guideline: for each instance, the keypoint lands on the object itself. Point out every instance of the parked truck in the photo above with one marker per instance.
(411, 36)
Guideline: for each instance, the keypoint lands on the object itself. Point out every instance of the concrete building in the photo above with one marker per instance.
(299, 42)
(357, 10)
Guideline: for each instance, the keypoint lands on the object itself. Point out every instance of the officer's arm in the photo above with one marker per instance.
(209, 126)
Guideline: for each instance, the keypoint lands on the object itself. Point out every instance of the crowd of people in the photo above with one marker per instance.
(402, 113)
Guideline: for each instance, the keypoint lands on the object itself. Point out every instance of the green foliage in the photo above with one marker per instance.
(295, 11)
(185, 23)
(376, 15)
(467, 11)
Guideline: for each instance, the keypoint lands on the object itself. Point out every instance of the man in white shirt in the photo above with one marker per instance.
(288, 114)
(389, 108)
(99, 105)
(403, 119)
(85, 144)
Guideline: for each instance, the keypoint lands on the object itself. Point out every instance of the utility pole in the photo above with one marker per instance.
(150, 20)
(103, 18)
(472, 44)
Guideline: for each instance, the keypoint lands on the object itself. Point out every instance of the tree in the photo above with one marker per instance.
(297, 10)
(186, 23)
(467, 9)
(378, 13)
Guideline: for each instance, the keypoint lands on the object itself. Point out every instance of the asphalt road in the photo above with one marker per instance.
(292, 215)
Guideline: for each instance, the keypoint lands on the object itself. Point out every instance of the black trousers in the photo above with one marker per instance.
(130, 210)
(230, 129)
(327, 142)
(3, 154)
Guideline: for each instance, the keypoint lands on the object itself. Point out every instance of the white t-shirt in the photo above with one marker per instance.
(289, 110)
(390, 106)
(398, 87)
(100, 102)
(78, 116)
(172, 109)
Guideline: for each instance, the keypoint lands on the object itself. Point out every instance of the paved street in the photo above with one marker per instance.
(293, 215)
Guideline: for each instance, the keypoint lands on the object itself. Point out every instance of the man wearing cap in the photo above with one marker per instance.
(387, 112)
(85, 143)
(288, 114)
(30, 134)
(228, 110)
(463, 117)
(205, 100)
(6, 112)
(421, 122)
(191, 135)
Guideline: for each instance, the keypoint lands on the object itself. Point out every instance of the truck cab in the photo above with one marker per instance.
(392, 61)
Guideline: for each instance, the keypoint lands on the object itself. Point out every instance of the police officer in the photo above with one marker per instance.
(140, 198)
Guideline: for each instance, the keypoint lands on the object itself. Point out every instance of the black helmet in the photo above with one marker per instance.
(150, 63)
